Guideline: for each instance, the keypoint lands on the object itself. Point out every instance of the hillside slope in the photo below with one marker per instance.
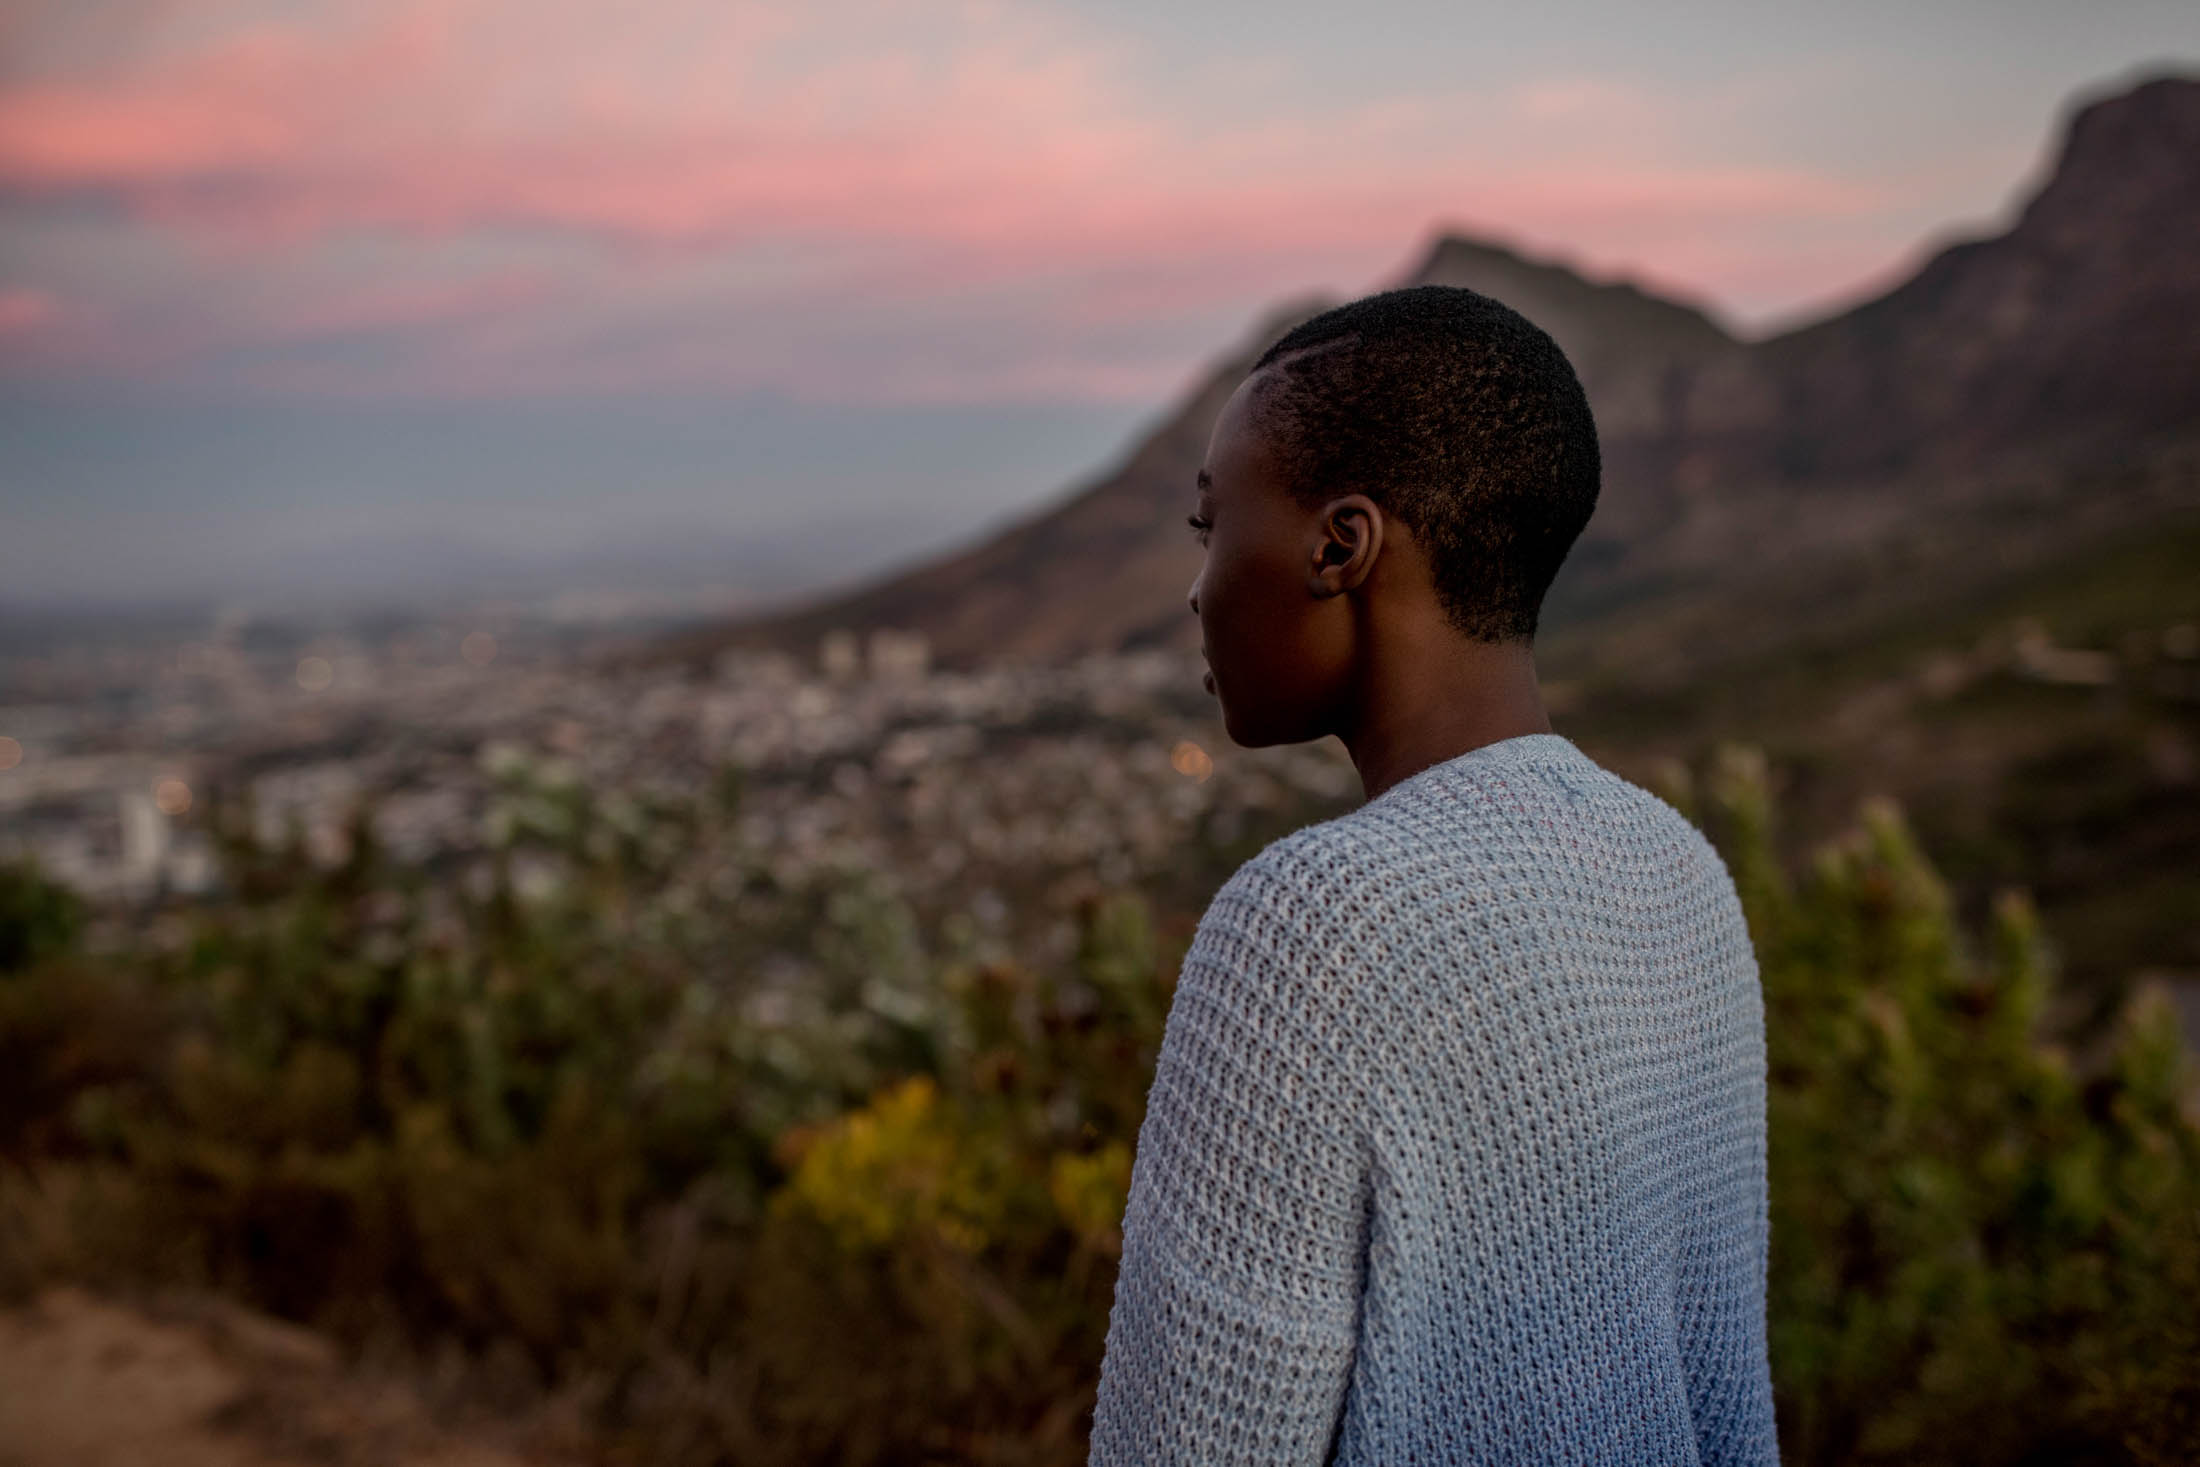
(2015, 397)
(1108, 568)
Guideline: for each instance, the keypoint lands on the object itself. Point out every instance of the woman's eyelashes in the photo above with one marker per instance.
(1201, 526)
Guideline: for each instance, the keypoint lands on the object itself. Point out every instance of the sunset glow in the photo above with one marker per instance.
(902, 212)
(504, 196)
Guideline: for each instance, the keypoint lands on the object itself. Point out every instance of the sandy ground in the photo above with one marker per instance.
(86, 1382)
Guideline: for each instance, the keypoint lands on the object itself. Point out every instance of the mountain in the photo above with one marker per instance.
(2074, 332)
(2018, 394)
(2017, 398)
(1108, 567)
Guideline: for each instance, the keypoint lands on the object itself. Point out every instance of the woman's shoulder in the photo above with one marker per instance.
(1362, 862)
(1315, 907)
(1317, 868)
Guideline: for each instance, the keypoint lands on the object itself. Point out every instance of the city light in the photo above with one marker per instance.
(315, 674)
(1188, 758)
(173, 796)
(478, 648)
(11, 752)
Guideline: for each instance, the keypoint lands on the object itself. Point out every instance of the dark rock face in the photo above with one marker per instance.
(2017, 394)
(1983, 403)
(2073, 331)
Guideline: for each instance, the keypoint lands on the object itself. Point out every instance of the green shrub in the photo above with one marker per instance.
(37, 917)
(760, 1178)
(1981, 1252)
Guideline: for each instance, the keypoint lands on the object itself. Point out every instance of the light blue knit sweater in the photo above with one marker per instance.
(1456, 1151)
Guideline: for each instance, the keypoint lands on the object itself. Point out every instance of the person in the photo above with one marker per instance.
(1455, 1149)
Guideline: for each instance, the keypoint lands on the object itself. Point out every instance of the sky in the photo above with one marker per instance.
(400, 297)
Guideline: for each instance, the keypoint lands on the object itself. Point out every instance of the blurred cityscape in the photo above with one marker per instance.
(947, 787)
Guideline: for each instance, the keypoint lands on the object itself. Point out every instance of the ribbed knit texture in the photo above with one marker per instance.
(1455, 1152)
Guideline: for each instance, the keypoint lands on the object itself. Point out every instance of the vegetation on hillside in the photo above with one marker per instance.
(765, 1175)
(2040, 726)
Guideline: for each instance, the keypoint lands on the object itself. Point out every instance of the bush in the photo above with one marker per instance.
(761, 1178)
(37, 917)
(1981, 1253)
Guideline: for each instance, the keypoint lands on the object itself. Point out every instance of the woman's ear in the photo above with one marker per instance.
(1348, 537)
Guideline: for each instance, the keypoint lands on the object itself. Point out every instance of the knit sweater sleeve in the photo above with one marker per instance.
(1236, 1307)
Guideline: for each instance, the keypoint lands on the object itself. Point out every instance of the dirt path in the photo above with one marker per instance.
(85, 1382)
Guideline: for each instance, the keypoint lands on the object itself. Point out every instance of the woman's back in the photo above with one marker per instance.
(1456, 1148)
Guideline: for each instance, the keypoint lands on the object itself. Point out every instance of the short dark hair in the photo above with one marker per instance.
(1458, 416)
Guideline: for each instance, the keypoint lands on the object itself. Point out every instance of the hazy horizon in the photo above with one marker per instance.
(333, 302)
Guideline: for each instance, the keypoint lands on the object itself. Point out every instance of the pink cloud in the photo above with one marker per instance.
(987, 148)
(23, 310)
(411, 306)
(409, 121)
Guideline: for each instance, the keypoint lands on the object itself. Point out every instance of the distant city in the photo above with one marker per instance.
(958, 790)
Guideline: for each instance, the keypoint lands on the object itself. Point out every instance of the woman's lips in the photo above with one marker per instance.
(1207, 679)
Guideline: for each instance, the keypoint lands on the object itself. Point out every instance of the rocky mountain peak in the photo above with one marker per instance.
(2127, 162)
(1980, 402)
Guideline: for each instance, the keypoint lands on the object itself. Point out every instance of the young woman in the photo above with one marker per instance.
(1455, 1152)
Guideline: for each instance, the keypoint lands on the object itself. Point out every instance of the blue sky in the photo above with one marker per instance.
(378, 295)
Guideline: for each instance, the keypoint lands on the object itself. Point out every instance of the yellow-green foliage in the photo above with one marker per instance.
(873, 1217)
(896, 1167)
(1982, 1252)
(1089, 1192)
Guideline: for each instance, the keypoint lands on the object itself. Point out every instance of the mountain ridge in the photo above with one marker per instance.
(1974, 401)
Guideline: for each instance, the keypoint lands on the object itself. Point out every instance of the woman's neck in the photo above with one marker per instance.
(1423, 699)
